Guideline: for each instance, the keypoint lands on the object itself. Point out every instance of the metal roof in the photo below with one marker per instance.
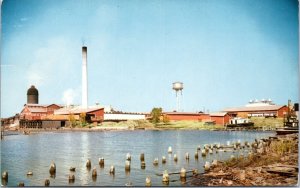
(42, 105)
(38, 110)
(254, 108)
(182, 113)
(76, 110)
(218, 114)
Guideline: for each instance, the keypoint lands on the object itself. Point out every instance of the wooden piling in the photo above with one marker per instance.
(88, 163)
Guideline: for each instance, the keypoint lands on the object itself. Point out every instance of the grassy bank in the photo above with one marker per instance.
(184, 125)
(188, 125)
(267, 122)
(144, 124)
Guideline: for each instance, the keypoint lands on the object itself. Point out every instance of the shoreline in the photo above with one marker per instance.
(112, 128)
(274, 162)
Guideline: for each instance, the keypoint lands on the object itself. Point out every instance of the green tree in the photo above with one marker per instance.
(82, 117)
(166, 119)
(72, 120)
(155, 115)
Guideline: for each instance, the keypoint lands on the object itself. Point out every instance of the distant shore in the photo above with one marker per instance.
(269, 124)
(146, 125)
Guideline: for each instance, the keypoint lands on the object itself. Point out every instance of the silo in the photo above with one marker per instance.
(32, 95)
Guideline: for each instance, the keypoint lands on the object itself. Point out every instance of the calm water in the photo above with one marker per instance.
(20, 153)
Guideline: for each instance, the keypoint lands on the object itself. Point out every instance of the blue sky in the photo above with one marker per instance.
(226, 52)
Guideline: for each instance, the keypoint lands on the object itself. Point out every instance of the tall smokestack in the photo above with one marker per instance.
(84, 78)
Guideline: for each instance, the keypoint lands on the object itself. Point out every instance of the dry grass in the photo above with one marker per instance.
(276, 150)
(282, 147)
(267, 122)
(188, 125)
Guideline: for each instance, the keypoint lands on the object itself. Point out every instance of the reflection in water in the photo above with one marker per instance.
(72, 149)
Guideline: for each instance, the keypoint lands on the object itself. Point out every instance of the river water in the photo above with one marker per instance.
(23, 153)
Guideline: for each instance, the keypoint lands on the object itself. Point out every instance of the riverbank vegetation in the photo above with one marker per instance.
(188, 125)
(275, 165)
(165, 124)
(267, 122)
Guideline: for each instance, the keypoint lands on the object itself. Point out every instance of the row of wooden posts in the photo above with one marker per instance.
(165, 176)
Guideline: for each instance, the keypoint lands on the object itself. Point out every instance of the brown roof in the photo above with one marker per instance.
(42, 105)
(76, 110)
(254, 108)
(182, 113)
(218, 114)
(56, 117)
(38, 110)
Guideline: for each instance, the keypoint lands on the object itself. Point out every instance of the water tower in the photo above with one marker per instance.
(178, 87)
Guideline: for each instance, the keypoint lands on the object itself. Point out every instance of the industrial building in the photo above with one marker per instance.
(177, 116)
(92, 115)
(37, 111)
(255, 108)
(123, 116)
(219, 118)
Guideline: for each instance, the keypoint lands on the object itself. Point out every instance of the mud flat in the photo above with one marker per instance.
(272, 162)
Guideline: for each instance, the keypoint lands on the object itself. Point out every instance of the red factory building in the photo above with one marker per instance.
(190, 116)
(258, 111)
(220, 118)
(37, 111)
(95, 114)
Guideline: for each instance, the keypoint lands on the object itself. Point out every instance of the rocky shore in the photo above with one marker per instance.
(272, 162)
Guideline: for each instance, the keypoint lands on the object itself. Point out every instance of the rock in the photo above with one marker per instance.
(207, 166)
(242, 175)
(221, 181)
(129, 184)
(195, 171)
(229, 182)
(214, 163)
(258, 179)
